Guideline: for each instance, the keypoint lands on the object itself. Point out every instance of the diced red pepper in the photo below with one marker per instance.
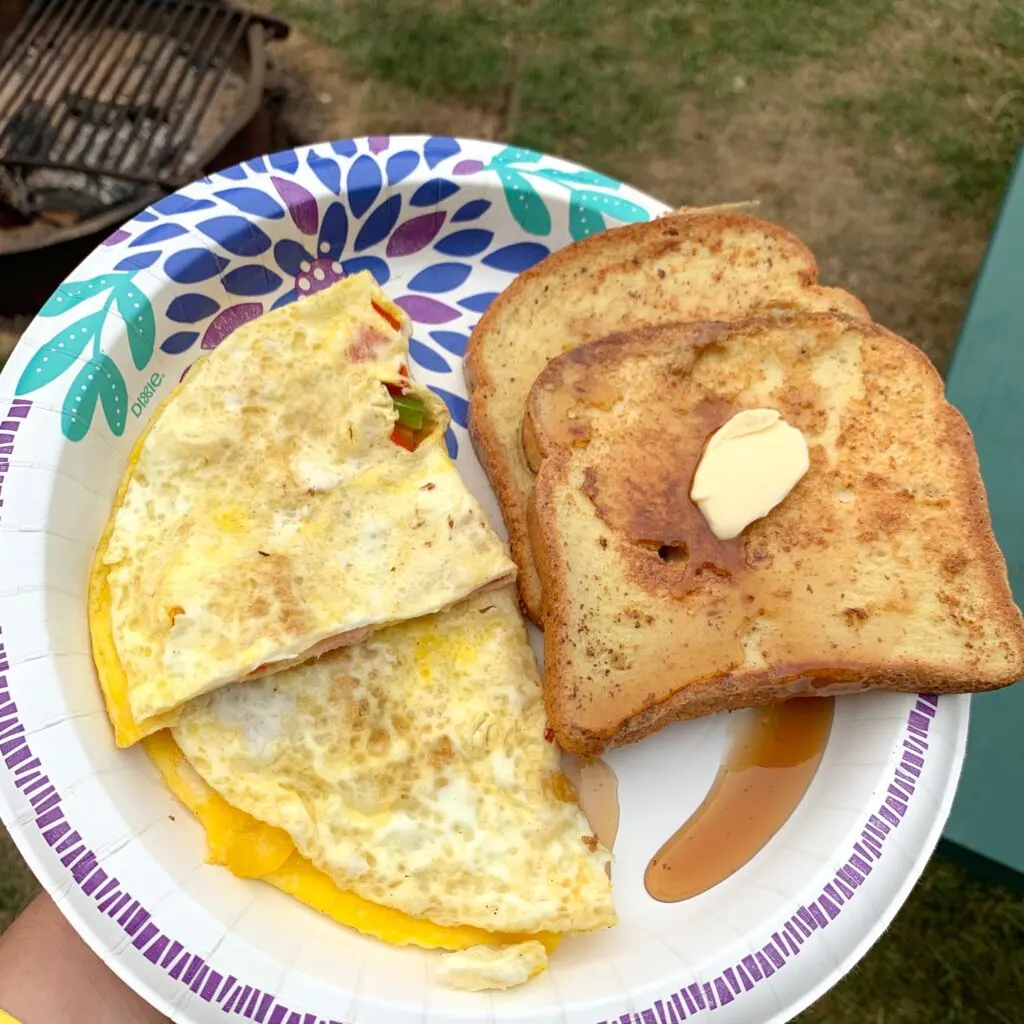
(400, 387)
(404, 437)
(393, 321)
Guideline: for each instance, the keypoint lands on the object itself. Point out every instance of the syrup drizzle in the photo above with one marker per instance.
(598, 791)
(771, 762)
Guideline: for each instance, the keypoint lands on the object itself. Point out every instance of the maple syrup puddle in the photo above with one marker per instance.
(771, 761)
(598, 791)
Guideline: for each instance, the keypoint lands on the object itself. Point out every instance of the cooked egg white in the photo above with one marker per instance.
(267, 515)
(492, 967)
(252, 849)
(401, 785)
(413, 770)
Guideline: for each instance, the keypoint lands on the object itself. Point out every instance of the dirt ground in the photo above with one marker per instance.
(911, 265)
(10, 330)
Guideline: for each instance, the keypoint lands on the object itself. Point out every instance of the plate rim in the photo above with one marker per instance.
(50, 877)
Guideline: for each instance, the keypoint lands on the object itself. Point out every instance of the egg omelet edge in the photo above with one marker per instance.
(250, 848)
(111, 674)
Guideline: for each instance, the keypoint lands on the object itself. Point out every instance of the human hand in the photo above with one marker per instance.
(48, 975)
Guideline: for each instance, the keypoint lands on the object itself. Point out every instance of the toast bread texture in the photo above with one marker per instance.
(879, 570)
(692, 265)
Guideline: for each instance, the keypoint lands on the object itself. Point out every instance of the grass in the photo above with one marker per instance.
(17, 884)
(588, 79)
(956, 94)
(585, 78)
(954, 955)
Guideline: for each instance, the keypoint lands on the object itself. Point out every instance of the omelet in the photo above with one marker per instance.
(250, 848)
(300, 610)
(405, 788)
(493, 967)
(413, 770)
(280, 505)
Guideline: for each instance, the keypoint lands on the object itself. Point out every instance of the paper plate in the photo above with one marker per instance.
(444, 224)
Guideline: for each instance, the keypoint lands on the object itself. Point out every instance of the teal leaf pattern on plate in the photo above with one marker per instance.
(71, 293)
(584, 221)
(524, 203)
(58, 354)
(582, 177)
(516, 155)
(614, 206)
(588, 207)
(137, 313)
(99, 378)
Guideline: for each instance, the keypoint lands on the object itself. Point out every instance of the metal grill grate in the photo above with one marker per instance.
(123, 88)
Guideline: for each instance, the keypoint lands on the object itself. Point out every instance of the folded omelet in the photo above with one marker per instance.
(280, 505)
(298, 608)
(404, 787)
(250, 848)
(413, 770)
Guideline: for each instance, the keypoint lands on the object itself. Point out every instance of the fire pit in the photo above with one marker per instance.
(105, 106)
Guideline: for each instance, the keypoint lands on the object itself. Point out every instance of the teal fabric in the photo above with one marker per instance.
(986, 382)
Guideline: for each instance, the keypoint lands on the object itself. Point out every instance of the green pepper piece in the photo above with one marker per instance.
(411, 411)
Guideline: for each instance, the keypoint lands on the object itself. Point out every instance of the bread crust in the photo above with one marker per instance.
(630, 258)
(592, 706)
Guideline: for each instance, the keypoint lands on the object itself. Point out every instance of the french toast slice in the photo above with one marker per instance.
(694, 265)
(878, 570)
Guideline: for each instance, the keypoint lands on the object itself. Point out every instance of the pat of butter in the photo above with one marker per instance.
(748, 467)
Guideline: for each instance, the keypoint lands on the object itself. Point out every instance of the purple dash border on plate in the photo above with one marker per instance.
(692, 1000)
(235, 997)
(188, 969)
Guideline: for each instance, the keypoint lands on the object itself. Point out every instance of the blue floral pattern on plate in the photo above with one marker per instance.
(420, 214)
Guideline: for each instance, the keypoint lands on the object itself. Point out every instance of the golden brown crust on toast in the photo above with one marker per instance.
(691, 265)
(880, 570)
